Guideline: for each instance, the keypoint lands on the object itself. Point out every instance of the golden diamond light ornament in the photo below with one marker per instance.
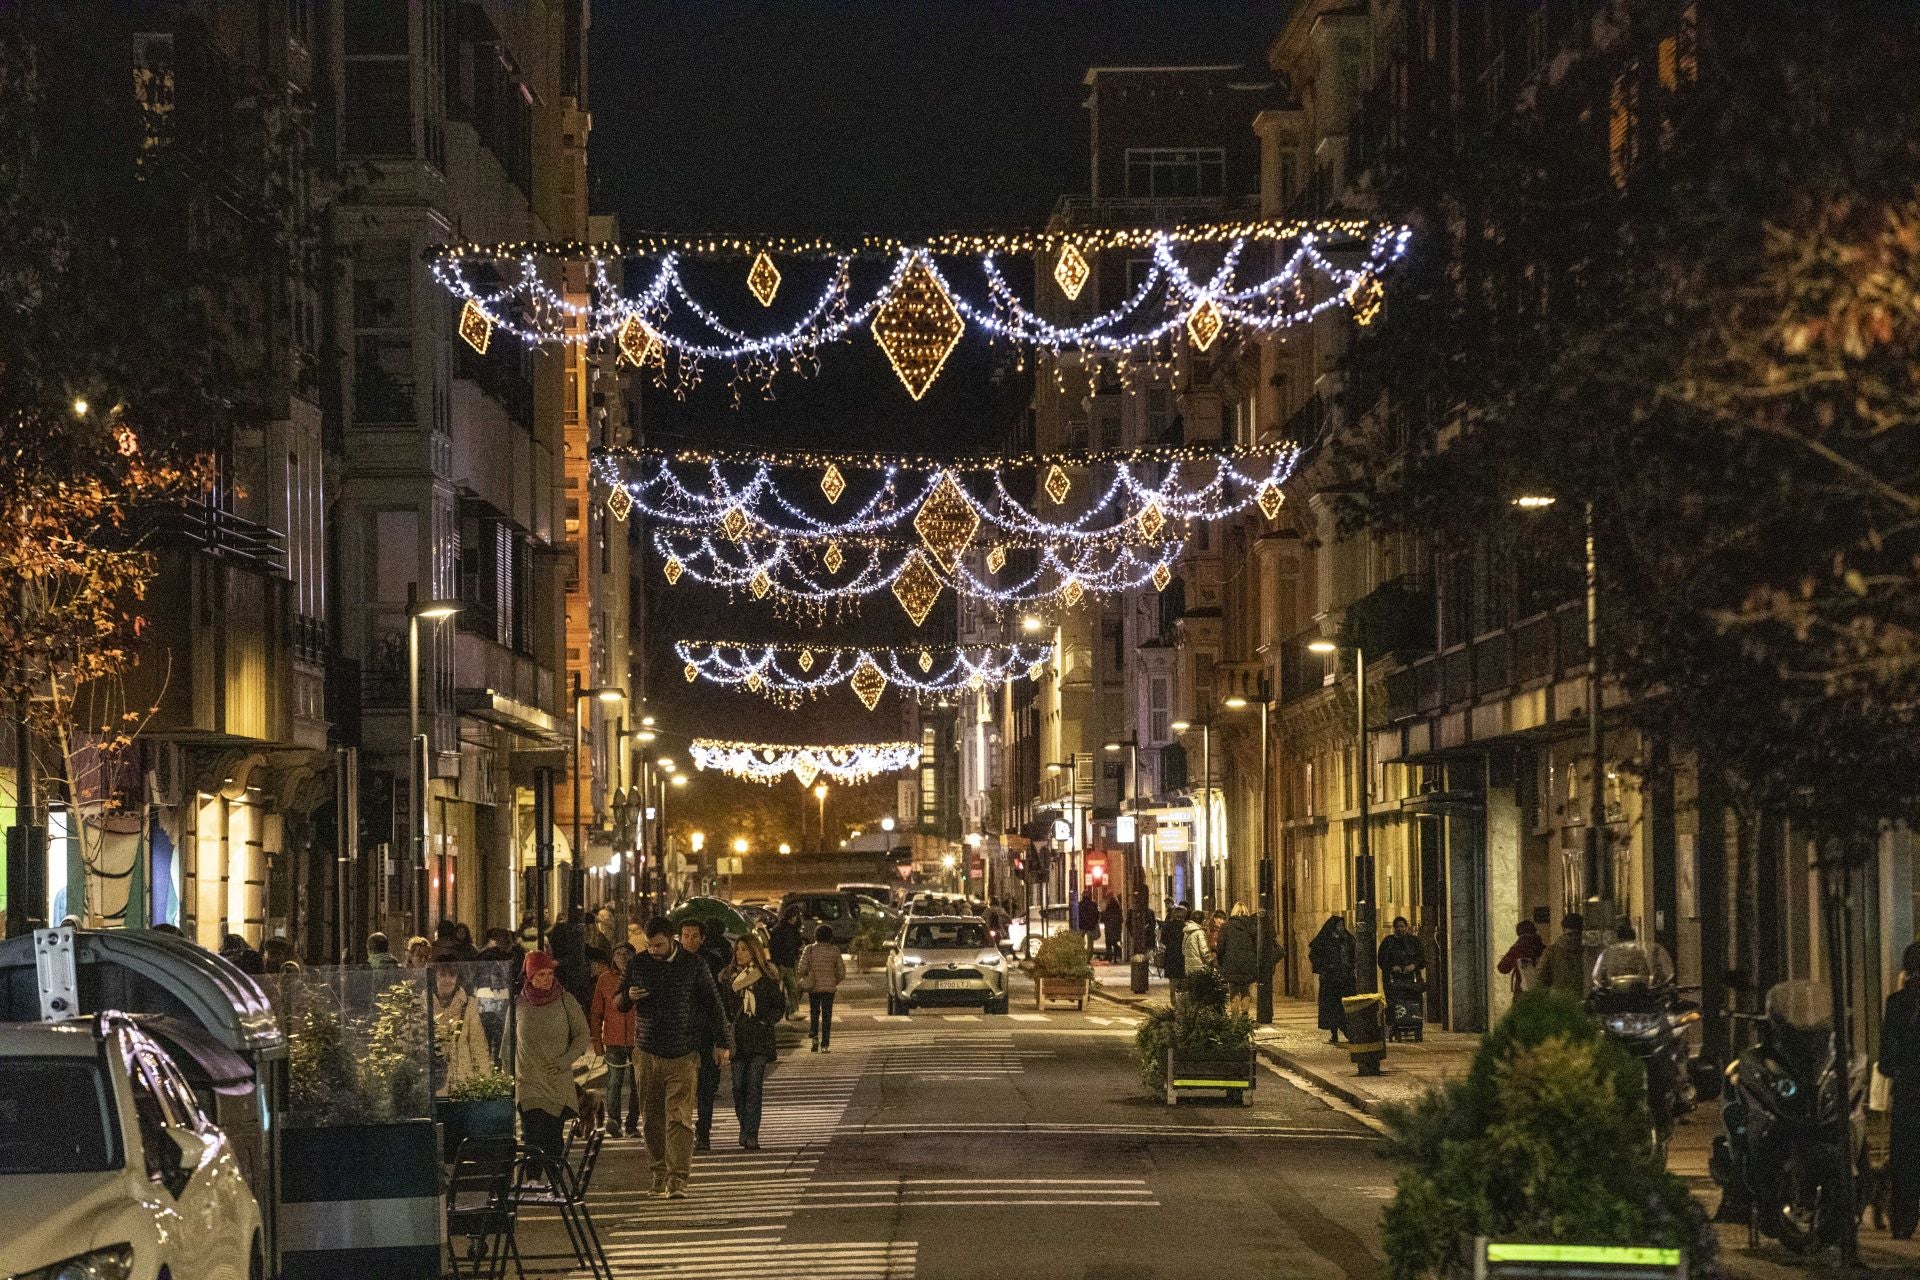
(1070, 270)
(1152, 520)
(833, 484)
(1037, 670)
(917, 588)
(1365, 295)
(754, 682)
(996, 559)
(475, 329)
(619, 502)
(1204, 323)
(976, 681)
(926, 661)
(1057, 484)
(691, 672)
(1161, 576)
(763, 279)
(733, 522)
(760, 584)
(1270, 499)
(834, 557)
(638, 343)
(673, 569)
(868, 682)
(806, 659)
(918, 327)
(946, 521)
(1073, 592)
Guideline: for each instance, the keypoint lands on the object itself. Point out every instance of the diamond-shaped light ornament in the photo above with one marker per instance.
(673, 569)
(1152, 520)
(1270, 499)
(1057, 484)
(926, 661)
(691, 672)
(733, 522)
(1204, 323)
(1037, 670)
(996, 559)
(753, 681)
(976, 681)
(868, 682)
(946, 521)
(760, 584)
(917, 587)
(834, 557)
(619, 502)
(476, 330)
(1364, 295)
(806, 659)
(638, 342)
(805, 770)
(918, 327)
(1161, 576)
(1073, 592)
(832, 483)
(763, 278)
(1070, 270)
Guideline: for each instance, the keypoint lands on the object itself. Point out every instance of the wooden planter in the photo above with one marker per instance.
(1060, 991)
(361, 1199)
(485, 1118)
(1194, 1073)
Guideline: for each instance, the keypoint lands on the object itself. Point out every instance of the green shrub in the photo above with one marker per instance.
(871, 937)
(1193, 1028)
(488, 1086)
(1208, 989)
(1545, 1140)
(1064, 955)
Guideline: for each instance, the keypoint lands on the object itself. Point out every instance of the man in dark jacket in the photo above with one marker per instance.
(1173, 956)
(694, 938)
(1087, 920)
(1113, 919)
(1239, 958)
(676, 1005)
(783, 948)
(568, 942)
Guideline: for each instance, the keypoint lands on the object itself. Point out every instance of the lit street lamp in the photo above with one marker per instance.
(1365, 881)
(576, 883)
(820, 794)
(1263, 1009)
(1135, 894)
(1198, 865)
(419, 755)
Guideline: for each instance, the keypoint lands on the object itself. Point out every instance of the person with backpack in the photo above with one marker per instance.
(1521, 964)
(822, 969)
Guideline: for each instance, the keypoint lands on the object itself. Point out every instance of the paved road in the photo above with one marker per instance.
(959, 1146)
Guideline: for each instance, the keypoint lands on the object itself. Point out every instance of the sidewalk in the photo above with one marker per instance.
(1296, 1042)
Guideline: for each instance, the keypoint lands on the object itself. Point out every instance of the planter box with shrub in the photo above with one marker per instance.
(1062, 972)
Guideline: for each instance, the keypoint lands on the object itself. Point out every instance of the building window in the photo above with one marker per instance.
(378, 107)
(153, 83)
(1172, 173)
(1159, 726)
(383, 378)
(1159, 415)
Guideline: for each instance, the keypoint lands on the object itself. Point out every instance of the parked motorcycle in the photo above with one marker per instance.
(1650, 1021)
(1794, 1123)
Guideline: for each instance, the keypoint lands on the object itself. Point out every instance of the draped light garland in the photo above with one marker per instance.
(1190, 292)
(787, 673)
(768, 762)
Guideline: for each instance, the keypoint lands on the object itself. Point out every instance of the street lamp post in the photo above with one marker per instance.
(1366, 910)
(419, 758)
(1206, 808)
(576, 876)
(1074, 874)
(1136, 890)
(1263, 1009)
(820, 794)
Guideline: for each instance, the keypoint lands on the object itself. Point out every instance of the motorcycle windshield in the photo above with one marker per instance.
(1800, 1026)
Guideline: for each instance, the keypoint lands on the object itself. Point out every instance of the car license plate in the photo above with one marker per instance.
(949, 984)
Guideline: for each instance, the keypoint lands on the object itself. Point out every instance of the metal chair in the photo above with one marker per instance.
(561, 1184)
(481, 1208)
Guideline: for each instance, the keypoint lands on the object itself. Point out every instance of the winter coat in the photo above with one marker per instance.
(753, 1033)
(610, 1026)
(1240, 950)
(822, 967)
(1113, 918)
(1397, 952)
(1174, 960)
(1089, 917)
(459, 1040)
(783, 944)
(547, 1040)
(1522, 961)
(681, 1012)
(1331, 956)
(1565, 968)
(1193, 945)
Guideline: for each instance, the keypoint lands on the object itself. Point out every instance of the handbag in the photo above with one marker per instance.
(806, 967)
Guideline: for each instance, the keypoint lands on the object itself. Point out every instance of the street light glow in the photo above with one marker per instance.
(1322, 646)
(79, 407)
(886, 824)
(974, 839)
(699, 840)
(785, 847)
(646, 736)
(739, 844)
(1236, 702)
(820, 791)
(436, 608)
(610, 695)
(1534, 501)
(947, 861)
(664, 763)
(1030, 623)
(646, 722)
(679, 779)
(1181, 726)
(1114, 748)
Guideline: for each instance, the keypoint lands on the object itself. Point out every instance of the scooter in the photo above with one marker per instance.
(1794, 1122)
(1650, 1022)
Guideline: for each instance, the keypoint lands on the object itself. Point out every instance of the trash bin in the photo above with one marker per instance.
(1366, 1016)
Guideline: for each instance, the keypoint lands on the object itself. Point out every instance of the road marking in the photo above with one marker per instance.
(1031, 1017)
(961, 1017)
(1331, 1099)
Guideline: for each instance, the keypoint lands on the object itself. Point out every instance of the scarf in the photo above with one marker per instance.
(743, 983)
(536, 962)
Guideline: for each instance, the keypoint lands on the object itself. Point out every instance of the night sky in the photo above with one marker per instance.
(839, 117)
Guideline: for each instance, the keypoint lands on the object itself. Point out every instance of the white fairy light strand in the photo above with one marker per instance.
(783, 676)
(768, 763)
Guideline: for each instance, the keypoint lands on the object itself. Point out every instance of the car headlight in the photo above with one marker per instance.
(908, 962)
(1633, 1025)
(115, 1262)
(991, 957)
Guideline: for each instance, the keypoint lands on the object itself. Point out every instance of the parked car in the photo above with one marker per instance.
(845, 913)
(108, 1165)
(946, 960)
(885, 894)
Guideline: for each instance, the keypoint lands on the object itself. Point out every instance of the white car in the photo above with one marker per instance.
(946, 960)
(109, 1170)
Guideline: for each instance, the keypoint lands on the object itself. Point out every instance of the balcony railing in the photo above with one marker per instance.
(214, 531)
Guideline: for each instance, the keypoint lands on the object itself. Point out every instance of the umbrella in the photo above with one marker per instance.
(711, 911)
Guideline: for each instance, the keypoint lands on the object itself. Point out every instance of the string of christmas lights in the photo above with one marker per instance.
(768, 762)
(947, 506)
(787, 673)
(919, 310)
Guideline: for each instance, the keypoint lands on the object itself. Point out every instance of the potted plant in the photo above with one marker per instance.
(1194, 1045)
(1062, 972)
(478, 1107)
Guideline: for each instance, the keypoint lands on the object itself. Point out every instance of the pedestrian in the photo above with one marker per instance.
(497, 978)
(1087, 920)
(240, 953)
(1113, 918)
(419, 952)
(822, 970)
(611, 1029)
(1521, 964)
(1240, 952)
(1173, 957)
(1400, 954)
(750, 988)
(1900, 1064)
(1330, 955)
(379, 956)
(1627, 961)
(1216, 923)
(783, 948)
(459, 1039)
(550, 1035)
(693, 938)
(463, 939)
(446, 941)
(1150, 934)
(1197, 955)
(602, 932)
(674, 1000)
(1565, 966)
(275, 954)
(567, 940)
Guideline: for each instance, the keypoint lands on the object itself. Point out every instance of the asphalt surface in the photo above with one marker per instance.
(953, 1145)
